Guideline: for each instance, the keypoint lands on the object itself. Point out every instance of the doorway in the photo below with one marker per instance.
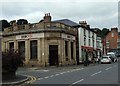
(53, 55)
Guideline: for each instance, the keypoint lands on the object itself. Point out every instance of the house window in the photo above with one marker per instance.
(11, 45)
(71, 50)
(89, 42)
(33, 49)
(84, 41)
(112, 34)
(66, 48)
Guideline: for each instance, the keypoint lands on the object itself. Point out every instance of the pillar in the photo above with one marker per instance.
(69, 51)
(27, 51)
(39, 51)
(15, 45)
(74, 52)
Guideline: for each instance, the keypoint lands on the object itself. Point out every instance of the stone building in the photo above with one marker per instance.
(47, 43)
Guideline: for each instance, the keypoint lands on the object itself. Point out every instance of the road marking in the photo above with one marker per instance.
(40, 78)
(33, 79)
(76, 82)
(51, 75)
(57, 74)
(46, 77)
(108, 68)
(68, 71)
(61, 73)
(96, 73)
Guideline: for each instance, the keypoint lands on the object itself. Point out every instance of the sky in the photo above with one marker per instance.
(98, 14)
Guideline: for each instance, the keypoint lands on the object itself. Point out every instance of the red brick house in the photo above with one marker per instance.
(111, 40)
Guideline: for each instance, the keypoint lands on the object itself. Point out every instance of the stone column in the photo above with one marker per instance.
(27, 51)
(39, 51)
(69, 51)
(74, 52)
(61, 44)
(46, 51)
(3, 45)
(15, 45)
(7, 45)
(43, 52)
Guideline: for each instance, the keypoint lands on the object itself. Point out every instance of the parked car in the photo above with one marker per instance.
(105, 59)
(113, 56)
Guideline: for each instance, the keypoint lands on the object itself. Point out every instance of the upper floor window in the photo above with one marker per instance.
(112, 34)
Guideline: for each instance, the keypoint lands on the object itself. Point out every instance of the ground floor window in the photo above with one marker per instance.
(33, 49)
(11, 45)
(21, 48)
(71, 50)
(66, 50)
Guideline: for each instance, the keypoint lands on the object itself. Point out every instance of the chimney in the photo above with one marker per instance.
(114, 29)
(83, 23)
(47, 17)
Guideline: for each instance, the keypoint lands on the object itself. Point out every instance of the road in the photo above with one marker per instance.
(71, 76)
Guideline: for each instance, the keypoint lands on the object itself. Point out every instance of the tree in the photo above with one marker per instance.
(22, 21)
(5, 24)
(104, 32)
(11, 60)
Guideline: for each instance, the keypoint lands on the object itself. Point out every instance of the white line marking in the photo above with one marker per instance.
(68, 71)
(46, 77)
(40, 78)
(51, 75)
(77, 81)
(57, 74)
(96, 73)
(61, 73)
(108, 68)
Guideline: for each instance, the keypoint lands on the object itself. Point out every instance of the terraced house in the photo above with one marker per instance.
(47, 43)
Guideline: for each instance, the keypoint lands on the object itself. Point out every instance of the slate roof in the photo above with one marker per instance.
(67, 22)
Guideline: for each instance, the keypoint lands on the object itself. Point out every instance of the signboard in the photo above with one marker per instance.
(66, 36)
(30, 36)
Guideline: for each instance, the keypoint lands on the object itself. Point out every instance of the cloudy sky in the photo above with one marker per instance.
(99, 14)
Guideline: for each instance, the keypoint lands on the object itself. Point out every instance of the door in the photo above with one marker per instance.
(53, 55)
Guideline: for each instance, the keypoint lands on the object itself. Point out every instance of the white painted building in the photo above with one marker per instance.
(87, 40)
(99, 47)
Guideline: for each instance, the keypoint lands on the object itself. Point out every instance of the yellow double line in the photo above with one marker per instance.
(33, 79)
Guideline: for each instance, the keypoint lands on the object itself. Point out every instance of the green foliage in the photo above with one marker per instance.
(11, 60)
(104, 32)
(4, 24)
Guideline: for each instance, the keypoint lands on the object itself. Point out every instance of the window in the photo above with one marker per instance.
(112, 34)
(84, 41)
(84, 33)
(93, 43)
(11, 45)
(21, 48)
(66, 48)
(89, 42)
(71, 50)
(33, 49)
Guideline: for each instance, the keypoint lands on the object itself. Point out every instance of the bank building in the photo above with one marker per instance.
(46, 43)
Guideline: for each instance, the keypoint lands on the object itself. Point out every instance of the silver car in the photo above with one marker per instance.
(105, 59)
